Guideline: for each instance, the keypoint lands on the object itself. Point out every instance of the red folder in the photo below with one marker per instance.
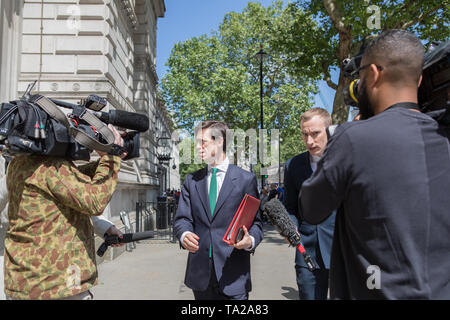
(244, 216)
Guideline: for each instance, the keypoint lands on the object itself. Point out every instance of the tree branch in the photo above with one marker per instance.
(335, 15)
(419, 18)
(402, 9)
(327, 76)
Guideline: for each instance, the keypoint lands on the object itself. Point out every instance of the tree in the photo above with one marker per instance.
(216, 76)
(343, 24)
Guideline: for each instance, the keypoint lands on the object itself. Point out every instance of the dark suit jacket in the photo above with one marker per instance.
(317, 239)
(232, 266)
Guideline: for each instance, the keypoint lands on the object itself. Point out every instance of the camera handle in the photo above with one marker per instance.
(117, 150)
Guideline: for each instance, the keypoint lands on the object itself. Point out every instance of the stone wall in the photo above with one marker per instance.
(106, 47)
(79, 47)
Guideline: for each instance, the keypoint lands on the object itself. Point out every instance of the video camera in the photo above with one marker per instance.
(35, 125)
(434, 91)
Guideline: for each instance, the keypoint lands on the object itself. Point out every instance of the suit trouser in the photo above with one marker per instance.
(213, 291)
(312, 285)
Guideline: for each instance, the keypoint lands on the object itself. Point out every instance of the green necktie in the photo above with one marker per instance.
(212, 197)
(213, 190)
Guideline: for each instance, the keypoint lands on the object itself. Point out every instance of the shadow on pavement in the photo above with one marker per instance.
(291, 294)
(271, 235)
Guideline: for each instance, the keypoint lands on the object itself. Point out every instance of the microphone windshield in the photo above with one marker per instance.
(130, 237)
(279, 217)
(129, 120)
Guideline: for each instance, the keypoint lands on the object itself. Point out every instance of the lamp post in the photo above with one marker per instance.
(163, 154)
(261, 55)
(279, 147)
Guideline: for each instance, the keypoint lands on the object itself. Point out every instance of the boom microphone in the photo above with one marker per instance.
(126, 238)
(124, 119)
(279, 218)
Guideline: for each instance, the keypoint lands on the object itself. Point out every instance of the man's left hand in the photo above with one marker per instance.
(246, 242)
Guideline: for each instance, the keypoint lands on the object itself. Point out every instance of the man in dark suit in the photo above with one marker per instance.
(209, 199)
(316, 239)
(389, 175)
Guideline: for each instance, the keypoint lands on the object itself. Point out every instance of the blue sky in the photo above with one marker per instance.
(185, 19)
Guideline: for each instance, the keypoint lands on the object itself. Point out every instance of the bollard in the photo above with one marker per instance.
(162, 214)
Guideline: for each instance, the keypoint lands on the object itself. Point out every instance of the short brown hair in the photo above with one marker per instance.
(220, 126)
(306, 116)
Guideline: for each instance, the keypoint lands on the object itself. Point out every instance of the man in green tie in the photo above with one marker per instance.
(209, 199)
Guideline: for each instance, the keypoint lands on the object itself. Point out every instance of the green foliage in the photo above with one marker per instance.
(186, 169)
(216, 76)
(342, 25)
(429, 20)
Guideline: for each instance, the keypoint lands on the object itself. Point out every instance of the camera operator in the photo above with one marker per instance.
(389, 175)
(49, 246)
(3, 225)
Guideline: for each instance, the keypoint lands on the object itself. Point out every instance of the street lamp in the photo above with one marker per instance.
(261, 55)
(279, 147)
(163, 153)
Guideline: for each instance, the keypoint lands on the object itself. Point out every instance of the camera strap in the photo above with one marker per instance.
(79, 136)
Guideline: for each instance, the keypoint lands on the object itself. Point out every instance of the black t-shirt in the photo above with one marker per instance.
(390, 178)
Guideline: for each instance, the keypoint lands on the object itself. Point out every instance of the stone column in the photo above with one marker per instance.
(10, 44)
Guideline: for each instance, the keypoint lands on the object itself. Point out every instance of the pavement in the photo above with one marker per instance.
(2, 259)
(154, 270)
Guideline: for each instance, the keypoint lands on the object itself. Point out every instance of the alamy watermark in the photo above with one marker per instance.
(74, 20)
(374, 279)
(374, 21)
(73, 280)
(248, 147)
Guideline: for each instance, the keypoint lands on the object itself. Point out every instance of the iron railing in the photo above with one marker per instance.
(156, 216)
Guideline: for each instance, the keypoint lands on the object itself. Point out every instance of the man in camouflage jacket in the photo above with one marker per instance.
(49, 246)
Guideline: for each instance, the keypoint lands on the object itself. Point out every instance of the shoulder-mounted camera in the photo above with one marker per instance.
(35, 124)
(434, 91)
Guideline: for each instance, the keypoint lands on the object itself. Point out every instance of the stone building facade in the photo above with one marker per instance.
(105, 47)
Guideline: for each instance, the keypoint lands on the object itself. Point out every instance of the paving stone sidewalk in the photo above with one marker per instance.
(155, 271)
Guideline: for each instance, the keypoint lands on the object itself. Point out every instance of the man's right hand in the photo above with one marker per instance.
(286, 239)
(190, 242)
(117, 140)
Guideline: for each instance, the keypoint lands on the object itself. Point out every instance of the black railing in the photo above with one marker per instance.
(156, 216)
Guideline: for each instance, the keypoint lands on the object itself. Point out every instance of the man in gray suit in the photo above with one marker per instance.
(209, 199)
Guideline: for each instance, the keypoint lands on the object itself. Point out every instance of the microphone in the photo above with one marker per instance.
(127, 237)
(124, 119)
(279, 218)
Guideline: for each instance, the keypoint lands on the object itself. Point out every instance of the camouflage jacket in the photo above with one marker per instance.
(49, 246)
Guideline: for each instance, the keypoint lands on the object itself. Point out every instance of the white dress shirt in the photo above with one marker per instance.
(220, 176)
(222, 169)
(313, 161)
